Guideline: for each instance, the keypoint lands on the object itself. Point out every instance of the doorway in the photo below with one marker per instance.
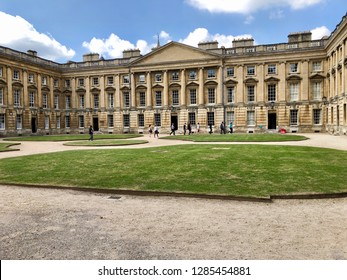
(174, 120)
(33, 125)
(96, 123)
(272, 121)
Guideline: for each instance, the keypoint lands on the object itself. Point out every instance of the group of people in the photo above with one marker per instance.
(173, 129)
(223, 128)
(156, 131)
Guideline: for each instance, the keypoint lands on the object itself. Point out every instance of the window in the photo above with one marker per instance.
(1, 96)
(158, 77)
(82, 101)
(31, 78)
(191, 118)
(46, 122)
(157, 120)
(16, 101)
(230, 94)
(293, 117)
(211, 96)
(16, 75)
(58, 121)
(67, 83)
(317, 116)
(250, 50)
(271, 69)
(81, 82)
(230, 72)
(174, 76)
(250, 94)
(44, 80)
(316, 66)
(192, 94)
(81, 121)
(95, 81)
(126, 99)
(31, 99)
(250, 70)
(1, 74)
(19, 120)
(68, 102)
(142, 99)
(2, 121)
(250, 118)
(211, 73)
(293, 68)
(126, 120)
(56, 83)
(192, 75)
(141, 120)
(56, 102)
(230, 117)
(110, 121)
(158, 98)
(294, 91)
(271, 93)
(142, 78)
(317, 90)
(210, 118)
(175, 97)
(45, 101)
(126, 79)
(67, 121)
(110, 98)
(109, 80)
(96, 101)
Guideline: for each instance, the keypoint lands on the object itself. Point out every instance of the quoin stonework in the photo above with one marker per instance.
(299, 86)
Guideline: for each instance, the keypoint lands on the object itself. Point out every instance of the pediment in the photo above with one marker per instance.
(174, 52)
(317, 77)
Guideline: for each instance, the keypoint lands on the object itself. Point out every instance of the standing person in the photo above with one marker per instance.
(150, 130)
(189, 129)
(172, 129)
(184, 129)
(198, 127)
(211, 131)
(222, 128)
(156, 132)
(231, 127)
(91, 133)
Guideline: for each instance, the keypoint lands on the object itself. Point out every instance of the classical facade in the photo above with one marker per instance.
(300, 86)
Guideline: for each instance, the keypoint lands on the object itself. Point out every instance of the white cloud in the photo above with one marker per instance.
(248, 6)
(19, 34)
(249, 19)
(113, 46)
(320, 32)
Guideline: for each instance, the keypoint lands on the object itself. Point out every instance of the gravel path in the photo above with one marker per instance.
(64, 224)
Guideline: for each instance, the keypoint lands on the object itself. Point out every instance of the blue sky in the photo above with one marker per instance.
(66, 29)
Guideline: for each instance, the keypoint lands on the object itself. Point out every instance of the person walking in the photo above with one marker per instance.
(211, 130)
(222, 128)
(184, 129)
(198, 127)
(231, 127)
(150, 131)
(91, 133)
(156, 132)
(172, 129)
(189, 129)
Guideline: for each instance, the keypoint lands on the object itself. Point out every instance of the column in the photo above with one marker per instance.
(183, 88)
(102, 93)
(201, 86)
(149, 90)
(117, 93)
(220, 86)
(25, 89)
(166, 90)
(304, 81)
(132, 91)
(88, 97)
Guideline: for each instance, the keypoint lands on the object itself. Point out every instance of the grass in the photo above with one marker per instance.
(107, 142)
(5, 147)
(72, 137)
(242, 170)
(238, 137)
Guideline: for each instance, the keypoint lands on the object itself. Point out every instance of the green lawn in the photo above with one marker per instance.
(105, 142)
(73, 137)
(4, 147)
(238, 137)
(243, 170)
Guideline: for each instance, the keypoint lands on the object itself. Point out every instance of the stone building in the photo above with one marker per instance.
(300, 86)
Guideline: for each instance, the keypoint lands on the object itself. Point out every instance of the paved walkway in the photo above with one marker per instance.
(32, 147)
